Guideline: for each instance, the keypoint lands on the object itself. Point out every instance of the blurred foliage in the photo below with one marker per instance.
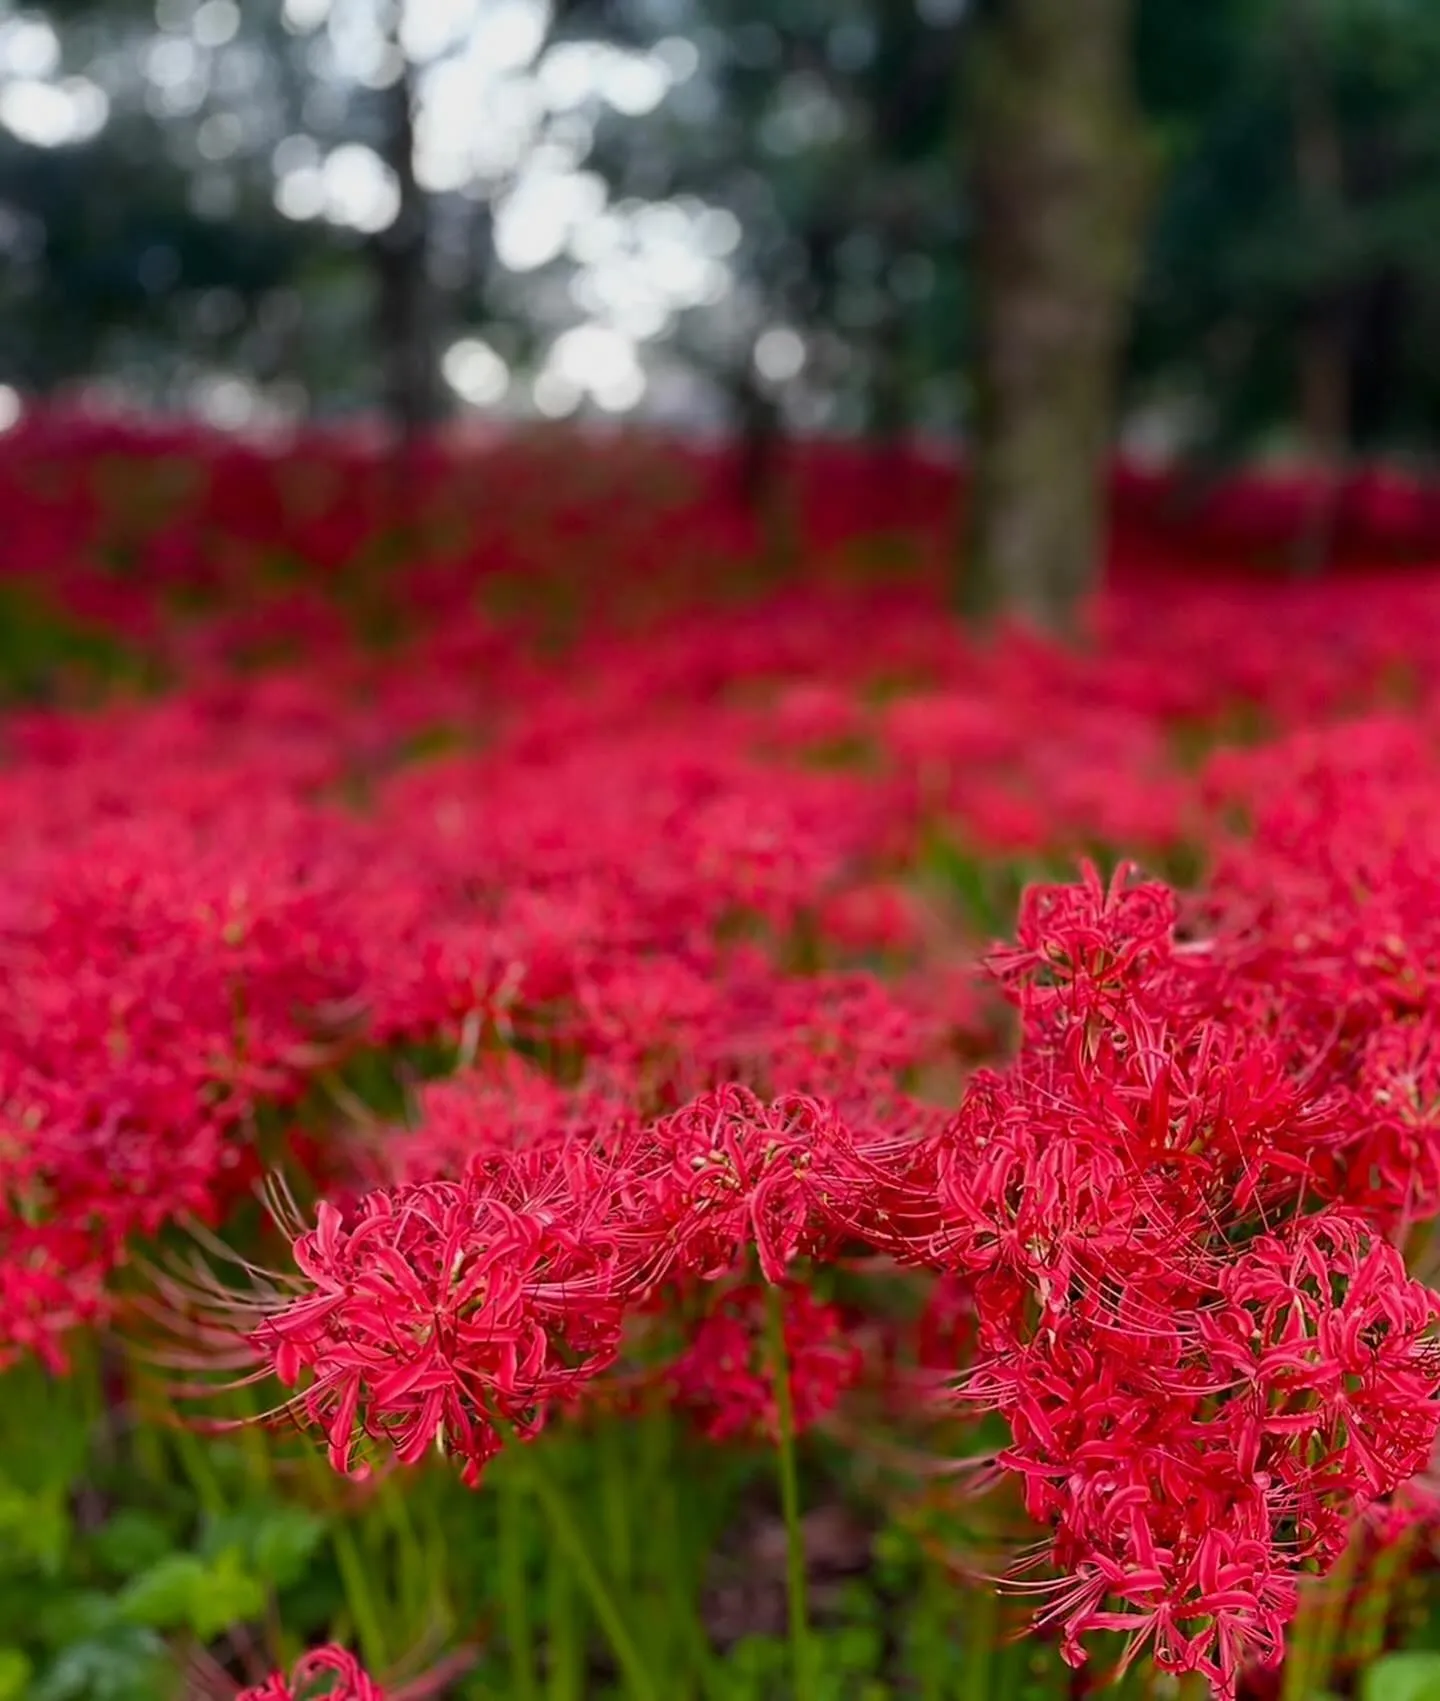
(133, 1554)
(46, 655)
(834, 132)
(1238, 258)
(1403, 1677)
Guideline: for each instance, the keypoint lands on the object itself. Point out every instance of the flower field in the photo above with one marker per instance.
(593, 1107)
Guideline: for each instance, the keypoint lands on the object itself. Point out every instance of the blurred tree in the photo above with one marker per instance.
(1303, 209)
(1058, 187)
(401, 257)
(827, 130)
(1323, 395)
(149, 246)
(105, 248)
(1289, 280)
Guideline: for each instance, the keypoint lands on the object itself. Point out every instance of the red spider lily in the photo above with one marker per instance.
(726, 1377)
(1163, 1227)
(1332, 1339)
(328, 1672)
(332, 1673)
(439, 1316)
(1195, 1407)
(1086, 951)
(729, 1171)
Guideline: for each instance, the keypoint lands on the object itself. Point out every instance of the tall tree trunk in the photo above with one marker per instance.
(1324, 399)
(403, 312)
(1059, 182)
(760, 468)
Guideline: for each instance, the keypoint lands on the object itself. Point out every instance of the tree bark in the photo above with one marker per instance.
(1324, 353)
(1059, 182)
(402, 263)
(761, 471)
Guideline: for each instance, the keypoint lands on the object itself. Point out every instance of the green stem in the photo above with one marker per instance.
(250, 1436)
(1311, 1651)
(1332, 1618)
(514, 1584)
(87, 1377)
(982, 1621)
(1295, 1674)
(199, 1472)
(615, 1484)
(1376, 1602)
(567, 1534)
(368, 1629)
(680, 1634)
(795, 1577)
(422, 1591)
(566, 1641)
(147, 1452)
(931, 1650)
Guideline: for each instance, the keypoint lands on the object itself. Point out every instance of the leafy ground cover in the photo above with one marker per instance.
(595, 1109)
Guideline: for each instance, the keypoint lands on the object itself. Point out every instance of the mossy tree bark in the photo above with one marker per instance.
(404, 304)
(1324, 338)
(763, 479)
(404, 308)
(1059, 180)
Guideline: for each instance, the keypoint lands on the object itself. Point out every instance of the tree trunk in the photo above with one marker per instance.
(761, 472)
(402, 261)
(1324, 354)
(1059, 181)
(1325, 423)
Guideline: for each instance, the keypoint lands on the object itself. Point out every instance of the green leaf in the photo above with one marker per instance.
(230, 1594)
(161, 1596)
(186, 1592)
(34, 1528)
(130, 1542)
(129, 1664)
(15, 1674)
(79, 1616)
(1403, 1677)
(278, 1542)
(285, 1543)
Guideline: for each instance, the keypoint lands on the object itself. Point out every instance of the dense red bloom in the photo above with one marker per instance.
(500, 1108)
(727, 1377)
(324, 1674)
(1088, 951)
(1196, 1406)
(1331, 1339)
(627, 901)
(729, 1172)
(437, 1315)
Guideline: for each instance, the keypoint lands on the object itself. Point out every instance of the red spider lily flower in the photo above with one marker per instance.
(726, 1377)
(324, 1674)
(1197, 1407)
(1333, 1341)
(436, 1315)
(729, 1171)
(1086, 950)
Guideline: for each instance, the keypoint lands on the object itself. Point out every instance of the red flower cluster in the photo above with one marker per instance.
(727, 1377)
(456, 1314)
(324, 1674)
(683, 913)
(1208, 1370)
(442, 1316)
(1330, 942)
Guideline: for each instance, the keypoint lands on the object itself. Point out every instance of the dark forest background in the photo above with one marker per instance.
(1212, 230)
